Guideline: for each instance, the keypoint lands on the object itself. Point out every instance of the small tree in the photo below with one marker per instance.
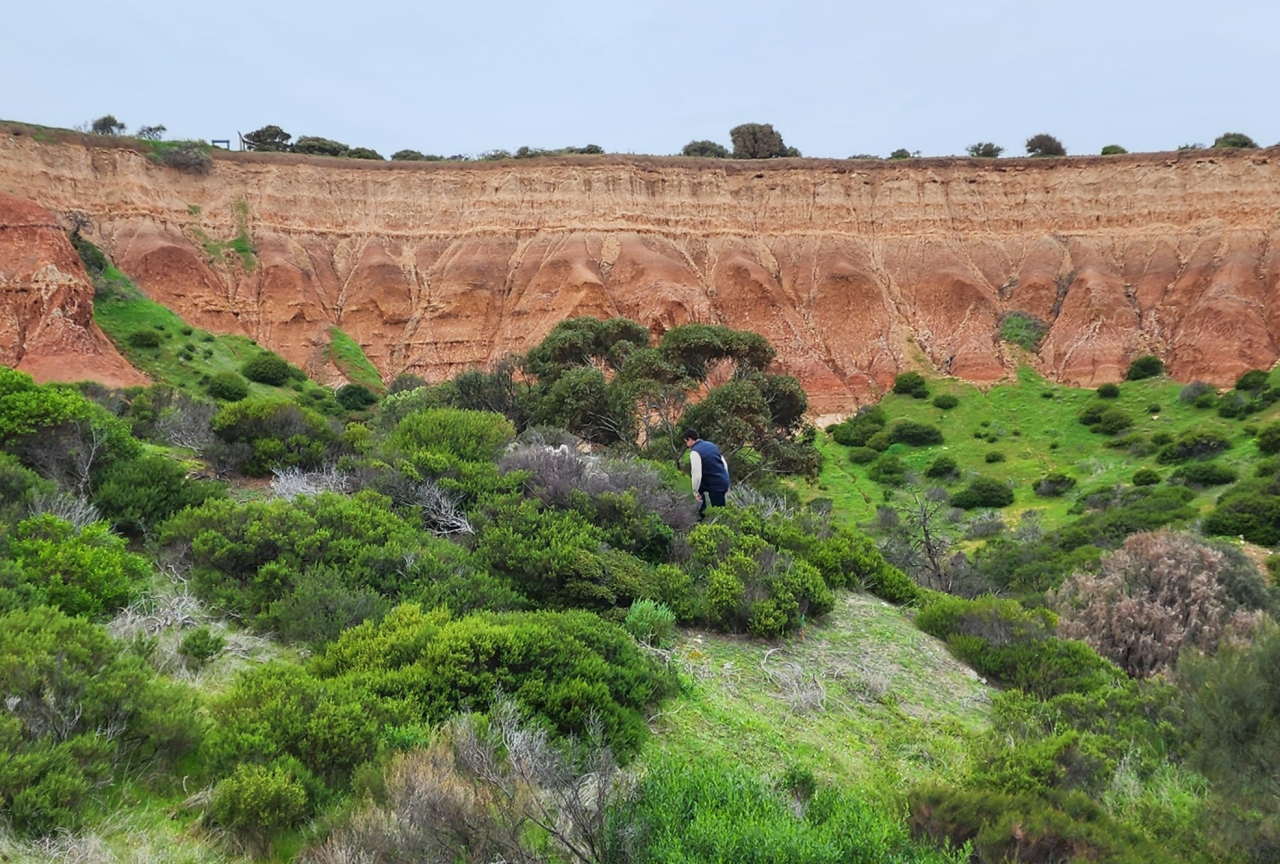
(414, 156)
(705, 149)
(151, 133)
(1113, 150)
(363, 153)
(268, 139)
(900, 153)
(1045, 145)
(985, 150)
(1235, 141)
(107, 124)
(314, 145)
(759, 141)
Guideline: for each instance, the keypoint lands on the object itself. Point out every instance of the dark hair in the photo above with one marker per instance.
(690, 435)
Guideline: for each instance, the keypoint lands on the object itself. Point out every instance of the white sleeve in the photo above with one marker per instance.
(695, 466)
(725, 462)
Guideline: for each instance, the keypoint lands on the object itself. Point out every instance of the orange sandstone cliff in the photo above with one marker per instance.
(854, 270)
(46, 303)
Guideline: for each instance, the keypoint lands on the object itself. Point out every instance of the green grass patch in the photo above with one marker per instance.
(1035, 425)
(866, 699)
(241, 245)
(346, 354)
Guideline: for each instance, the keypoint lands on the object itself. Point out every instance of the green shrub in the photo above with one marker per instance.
(945, 401)
(258, 801)
(1092, 413)
(1146, 366)
(86, 572)
(863, 455)
(1113, 150)
(310, 567)
(888, 470)
(355, 397)
(855, 431)
(880, 442)
(942, 468)
(136, 496)
(1253, 381)
(201, 645)
(314, 145)
(268, 369)
(1023, 329)
(1053, 485)
(1111, 421)
(1204, 474)
(1194, 443)
(705, 149)
(911, 384)
(280, 433)
(1108, 391)
(1145, 477)
(80, 709)
(468, 436)
(1250, 509)
(1235, 141)
(144, 339)
(651, 623)
(1028, 827)
(914, 434)
(983, 492)
(227, 386)
(993, 456)
(1268, 439)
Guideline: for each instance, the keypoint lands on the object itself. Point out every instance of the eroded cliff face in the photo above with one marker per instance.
(46, 303)
(853, 270)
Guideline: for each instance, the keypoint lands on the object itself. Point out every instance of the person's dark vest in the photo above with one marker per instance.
(715, 476)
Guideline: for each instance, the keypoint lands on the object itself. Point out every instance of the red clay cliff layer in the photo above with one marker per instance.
(854, 270)
(46, 303)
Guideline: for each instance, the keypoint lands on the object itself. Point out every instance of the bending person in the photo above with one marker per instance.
(710, 471)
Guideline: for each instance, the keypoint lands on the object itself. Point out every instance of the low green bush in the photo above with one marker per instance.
(355, 397)
(983, 492)
(1112, 421)
(1053, 485)
(145, 339)
(945, 401)
(1268, 439)
(227, 386)
(1108, 391)
(651, 623)
(911, 384)
(1146, 366)
(856, 430)
(1194, 443)
(1023, 329)
(863, 455)
(268, 369)
(1027, 827)
(1145, 477)
(1204, 474)
(914, 434)
(258, 801)
(942, 468)
(136, 496)
(888, 470)
(993, 456)
(87, 572)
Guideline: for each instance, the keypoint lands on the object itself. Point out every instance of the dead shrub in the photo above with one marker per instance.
(1160, 592)
(485, 791)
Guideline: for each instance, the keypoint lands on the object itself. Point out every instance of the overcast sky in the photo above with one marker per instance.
(835, 78)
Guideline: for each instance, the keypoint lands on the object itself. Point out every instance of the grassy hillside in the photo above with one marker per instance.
(863, 699)
(1034, 425)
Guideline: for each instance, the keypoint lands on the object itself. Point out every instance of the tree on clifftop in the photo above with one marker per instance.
(984, 150)
(107, 124)
(268, 139)
(705, 149)
(1235, 141)
(759, 141)
(1045, 145)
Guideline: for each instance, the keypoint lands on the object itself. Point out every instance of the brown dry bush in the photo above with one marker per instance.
(485, 791)
(1160, 592)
